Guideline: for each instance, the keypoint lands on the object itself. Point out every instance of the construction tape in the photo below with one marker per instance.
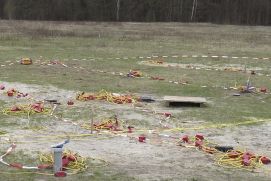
(156, 56)
(204, 67)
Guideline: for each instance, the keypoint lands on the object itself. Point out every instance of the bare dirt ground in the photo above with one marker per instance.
(157, 159)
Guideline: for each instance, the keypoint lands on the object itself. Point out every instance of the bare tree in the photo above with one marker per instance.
(118, 10)
(194, 9)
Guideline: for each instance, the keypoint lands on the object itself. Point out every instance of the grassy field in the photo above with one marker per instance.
(67, 41)
(92, 45)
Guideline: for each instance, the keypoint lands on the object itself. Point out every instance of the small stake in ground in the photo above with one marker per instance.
(92, 120)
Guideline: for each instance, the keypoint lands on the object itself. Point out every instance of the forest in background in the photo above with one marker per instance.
(242, 12)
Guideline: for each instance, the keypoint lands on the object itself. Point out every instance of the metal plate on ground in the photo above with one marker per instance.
(184, 101)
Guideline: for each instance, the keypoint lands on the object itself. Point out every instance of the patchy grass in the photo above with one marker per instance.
(93, 172)
(95, 42)
(93, 81)
(100, 40)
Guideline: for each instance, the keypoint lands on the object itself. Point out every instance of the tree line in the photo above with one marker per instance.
(245, 12)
